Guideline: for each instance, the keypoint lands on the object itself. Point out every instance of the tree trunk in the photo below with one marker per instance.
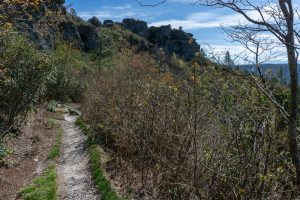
(293, 120)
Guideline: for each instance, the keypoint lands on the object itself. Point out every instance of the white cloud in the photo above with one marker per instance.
(116, 13)
(200, 20)
(104, 14)
(215, 18)
(121, 7)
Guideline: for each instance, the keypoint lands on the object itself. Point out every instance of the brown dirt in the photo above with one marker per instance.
(29, 153)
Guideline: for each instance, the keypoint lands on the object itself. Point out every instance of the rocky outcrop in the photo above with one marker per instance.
(95, 22)
(70, 33)
(174, 41)
(170, 40)
(136, 26)
(89, 36)
(40, 34)
(108, 23)
(83, 36)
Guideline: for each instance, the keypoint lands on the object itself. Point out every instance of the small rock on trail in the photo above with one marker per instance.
(74, 178)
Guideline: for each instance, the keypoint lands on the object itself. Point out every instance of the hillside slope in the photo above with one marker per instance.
(174, 124)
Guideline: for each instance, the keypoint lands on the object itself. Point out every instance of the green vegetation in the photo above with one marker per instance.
(103, 185)
(23, 73)
(29, 77)
(55, 151)
(207, 123)
(66, 78)
(83, 126)
(43, 187)
(111, 41)
(52, 106)
(188, 130)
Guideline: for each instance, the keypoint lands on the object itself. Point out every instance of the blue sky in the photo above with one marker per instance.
(202, 22)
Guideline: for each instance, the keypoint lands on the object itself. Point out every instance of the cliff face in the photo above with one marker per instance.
(85, 34)
(136, 26)
(170, 40)
(49, 22)
(174, 41)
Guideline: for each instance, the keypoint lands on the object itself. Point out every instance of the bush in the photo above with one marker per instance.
(211, 136)
(23, 71)
(65, 80)
(52, 106)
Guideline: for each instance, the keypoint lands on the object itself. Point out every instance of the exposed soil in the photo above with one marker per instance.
(75, 181)
(30, 149)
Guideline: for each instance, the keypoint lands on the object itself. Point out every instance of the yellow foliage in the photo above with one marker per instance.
(242, 191)
(262, 178)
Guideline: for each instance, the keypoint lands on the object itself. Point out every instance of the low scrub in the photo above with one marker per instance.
(29, 77)
(212, 135)
(65, 81)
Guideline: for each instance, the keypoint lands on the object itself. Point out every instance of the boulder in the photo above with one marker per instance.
(89, 36)
(70, 33)
(108, 23)
(174, 41)
(95, 22)
(160, 35)
(136, 26)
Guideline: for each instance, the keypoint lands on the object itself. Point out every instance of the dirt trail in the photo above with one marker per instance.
(74, 178)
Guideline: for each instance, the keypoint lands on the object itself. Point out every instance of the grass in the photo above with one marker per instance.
(43, 187)
(103, 185)
(83, 126)
(55, 151)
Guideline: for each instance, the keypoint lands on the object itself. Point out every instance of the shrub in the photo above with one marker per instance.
(23, 71)
(211, 136)
(52, 106)
(65, 80)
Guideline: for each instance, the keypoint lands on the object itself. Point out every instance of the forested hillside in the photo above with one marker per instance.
(159, 118)
(277, 72)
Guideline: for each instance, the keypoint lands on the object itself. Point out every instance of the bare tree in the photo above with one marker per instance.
(259, 49)
(280, 19)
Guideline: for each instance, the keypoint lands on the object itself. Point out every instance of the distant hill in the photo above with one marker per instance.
(280, 72)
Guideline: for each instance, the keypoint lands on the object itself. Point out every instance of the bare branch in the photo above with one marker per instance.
(151, 5)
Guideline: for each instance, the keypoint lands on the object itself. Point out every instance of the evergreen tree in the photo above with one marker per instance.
(227, 60)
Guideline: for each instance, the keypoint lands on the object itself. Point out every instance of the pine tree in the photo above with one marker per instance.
(227, 60)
